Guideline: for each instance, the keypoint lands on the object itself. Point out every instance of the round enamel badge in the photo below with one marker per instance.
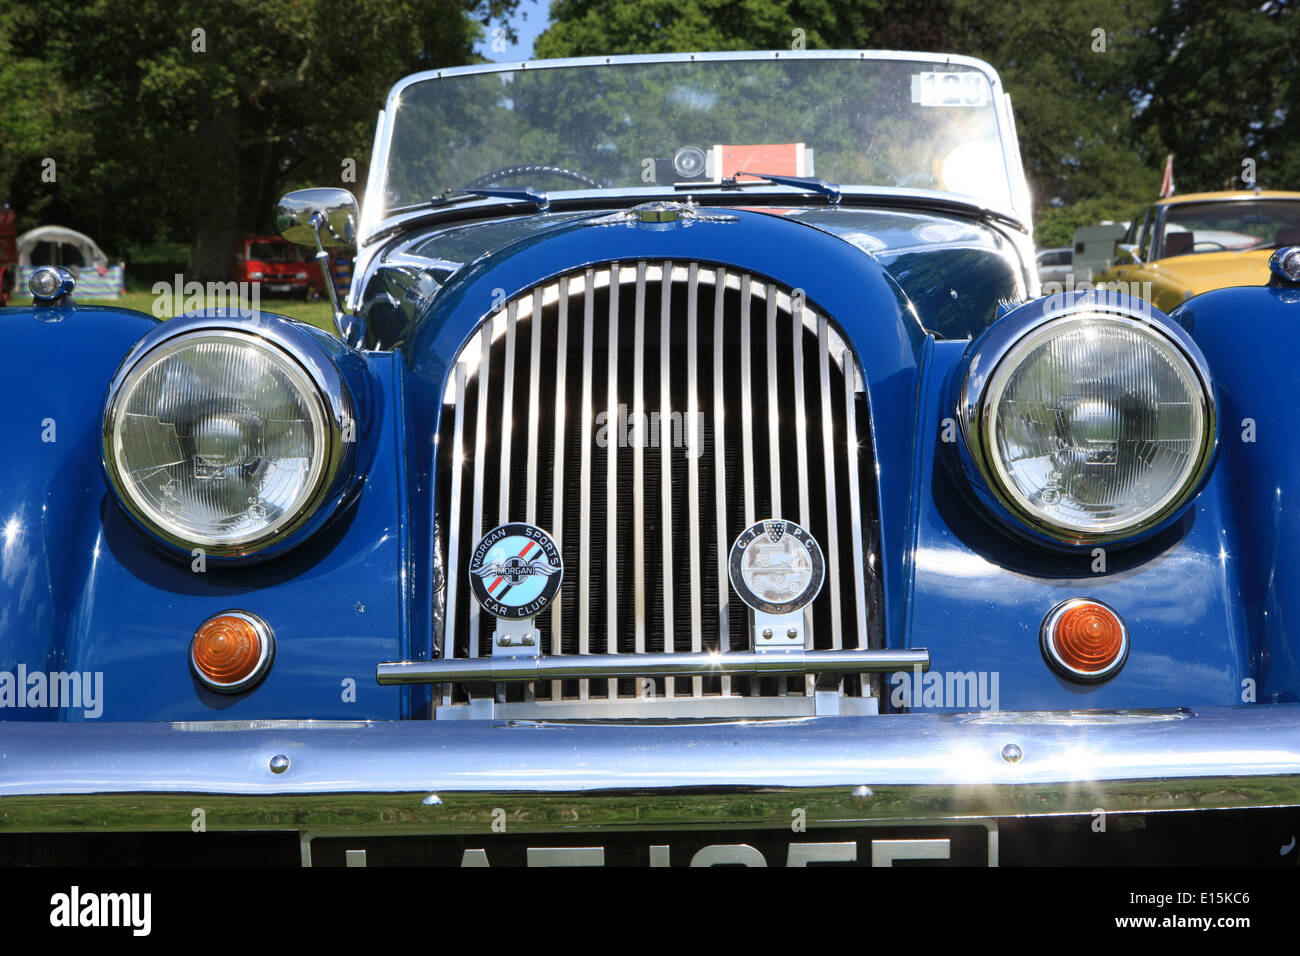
(776, 567)
(515, 571)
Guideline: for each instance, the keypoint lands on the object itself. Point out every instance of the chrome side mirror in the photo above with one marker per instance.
(326, 216)
(1126, 253)
(327, 219)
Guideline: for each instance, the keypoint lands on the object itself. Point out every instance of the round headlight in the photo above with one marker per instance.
(1094, 427)
(220, 440)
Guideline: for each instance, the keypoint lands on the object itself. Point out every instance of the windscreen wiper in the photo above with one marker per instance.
(525, 194)
(829, 190)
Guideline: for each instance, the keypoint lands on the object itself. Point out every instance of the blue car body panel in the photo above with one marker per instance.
(1206, 600)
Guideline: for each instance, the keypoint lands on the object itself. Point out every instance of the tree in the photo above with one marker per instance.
(1223, 82)
(193, 116)
(1075, 98)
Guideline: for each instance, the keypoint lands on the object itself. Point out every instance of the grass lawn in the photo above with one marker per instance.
(317, 313)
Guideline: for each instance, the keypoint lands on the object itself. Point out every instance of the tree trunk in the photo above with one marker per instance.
(217, 192)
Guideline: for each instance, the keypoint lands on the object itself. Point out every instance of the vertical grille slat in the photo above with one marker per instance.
(719, 463)
(801, 451)
(584, 480)
(828, 449)
(507, 407)
(637, 416)
(557, 468)
(693, 440)
(480, 461)
(453, 513)
(665, 456)
(611, 482)
(646, 497)
(773, 405)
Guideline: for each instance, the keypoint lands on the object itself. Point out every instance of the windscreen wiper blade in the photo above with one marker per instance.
(525, 194)
(829, 190)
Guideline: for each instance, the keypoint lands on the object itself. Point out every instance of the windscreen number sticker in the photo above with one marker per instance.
(967, 88)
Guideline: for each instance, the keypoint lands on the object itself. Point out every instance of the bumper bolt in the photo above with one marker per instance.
(862, 796)
(279, 763)
(1012, 753)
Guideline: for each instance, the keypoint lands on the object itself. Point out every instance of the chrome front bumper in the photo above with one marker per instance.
(457, 777)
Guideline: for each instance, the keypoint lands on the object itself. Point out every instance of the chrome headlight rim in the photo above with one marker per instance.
(298, 351)
(1008, 339)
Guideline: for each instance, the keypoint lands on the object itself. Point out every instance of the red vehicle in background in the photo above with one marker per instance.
(278, 265)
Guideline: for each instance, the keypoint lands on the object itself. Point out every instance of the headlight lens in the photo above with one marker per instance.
(218, 440)
(1095, 426)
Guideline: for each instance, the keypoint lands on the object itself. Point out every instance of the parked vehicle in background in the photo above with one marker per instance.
(1094, 249)
(278, 265)
(1186, 245)
(1055, 265)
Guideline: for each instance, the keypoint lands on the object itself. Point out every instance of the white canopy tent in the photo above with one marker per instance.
(91, 254)
(95, 276)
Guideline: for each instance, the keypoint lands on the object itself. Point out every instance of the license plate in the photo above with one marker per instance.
(969, 843)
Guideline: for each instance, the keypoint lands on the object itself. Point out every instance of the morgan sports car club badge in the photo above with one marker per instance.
(776, 567)
(515, 571)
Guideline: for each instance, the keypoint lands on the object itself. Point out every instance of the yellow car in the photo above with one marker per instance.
(1186, 245)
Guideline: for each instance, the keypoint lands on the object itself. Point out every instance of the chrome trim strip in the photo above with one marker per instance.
(801, 463)
(852, 385)
(507, 399)
(638, 462)
(720, 464)
(828, 451)
(534, 404)
(747, 398)
(665, 453)
(453, 519)
(557, 480)
(611, 481)
(774, 449)
(693, 459)
(584, 553)
(480, 442)
(559, 777)
(798, 661)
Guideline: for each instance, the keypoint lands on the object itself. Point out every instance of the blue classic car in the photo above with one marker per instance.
(697, 476)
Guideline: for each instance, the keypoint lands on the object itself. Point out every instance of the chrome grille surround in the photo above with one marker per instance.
(567, 401)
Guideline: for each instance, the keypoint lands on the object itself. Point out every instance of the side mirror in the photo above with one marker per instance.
(326, 216)
(1127, 254)
(321, 219)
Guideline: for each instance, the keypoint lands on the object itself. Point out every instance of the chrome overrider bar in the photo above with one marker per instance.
(567, 666)
(457, 776)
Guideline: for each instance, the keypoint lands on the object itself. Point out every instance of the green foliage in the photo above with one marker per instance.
(1055, 225)
(1102, 89)
(185, 120)
(1224, 82)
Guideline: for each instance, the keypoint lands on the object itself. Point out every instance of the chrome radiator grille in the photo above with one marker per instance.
(645, 413)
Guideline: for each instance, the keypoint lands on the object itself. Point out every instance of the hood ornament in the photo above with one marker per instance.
(662, 212)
